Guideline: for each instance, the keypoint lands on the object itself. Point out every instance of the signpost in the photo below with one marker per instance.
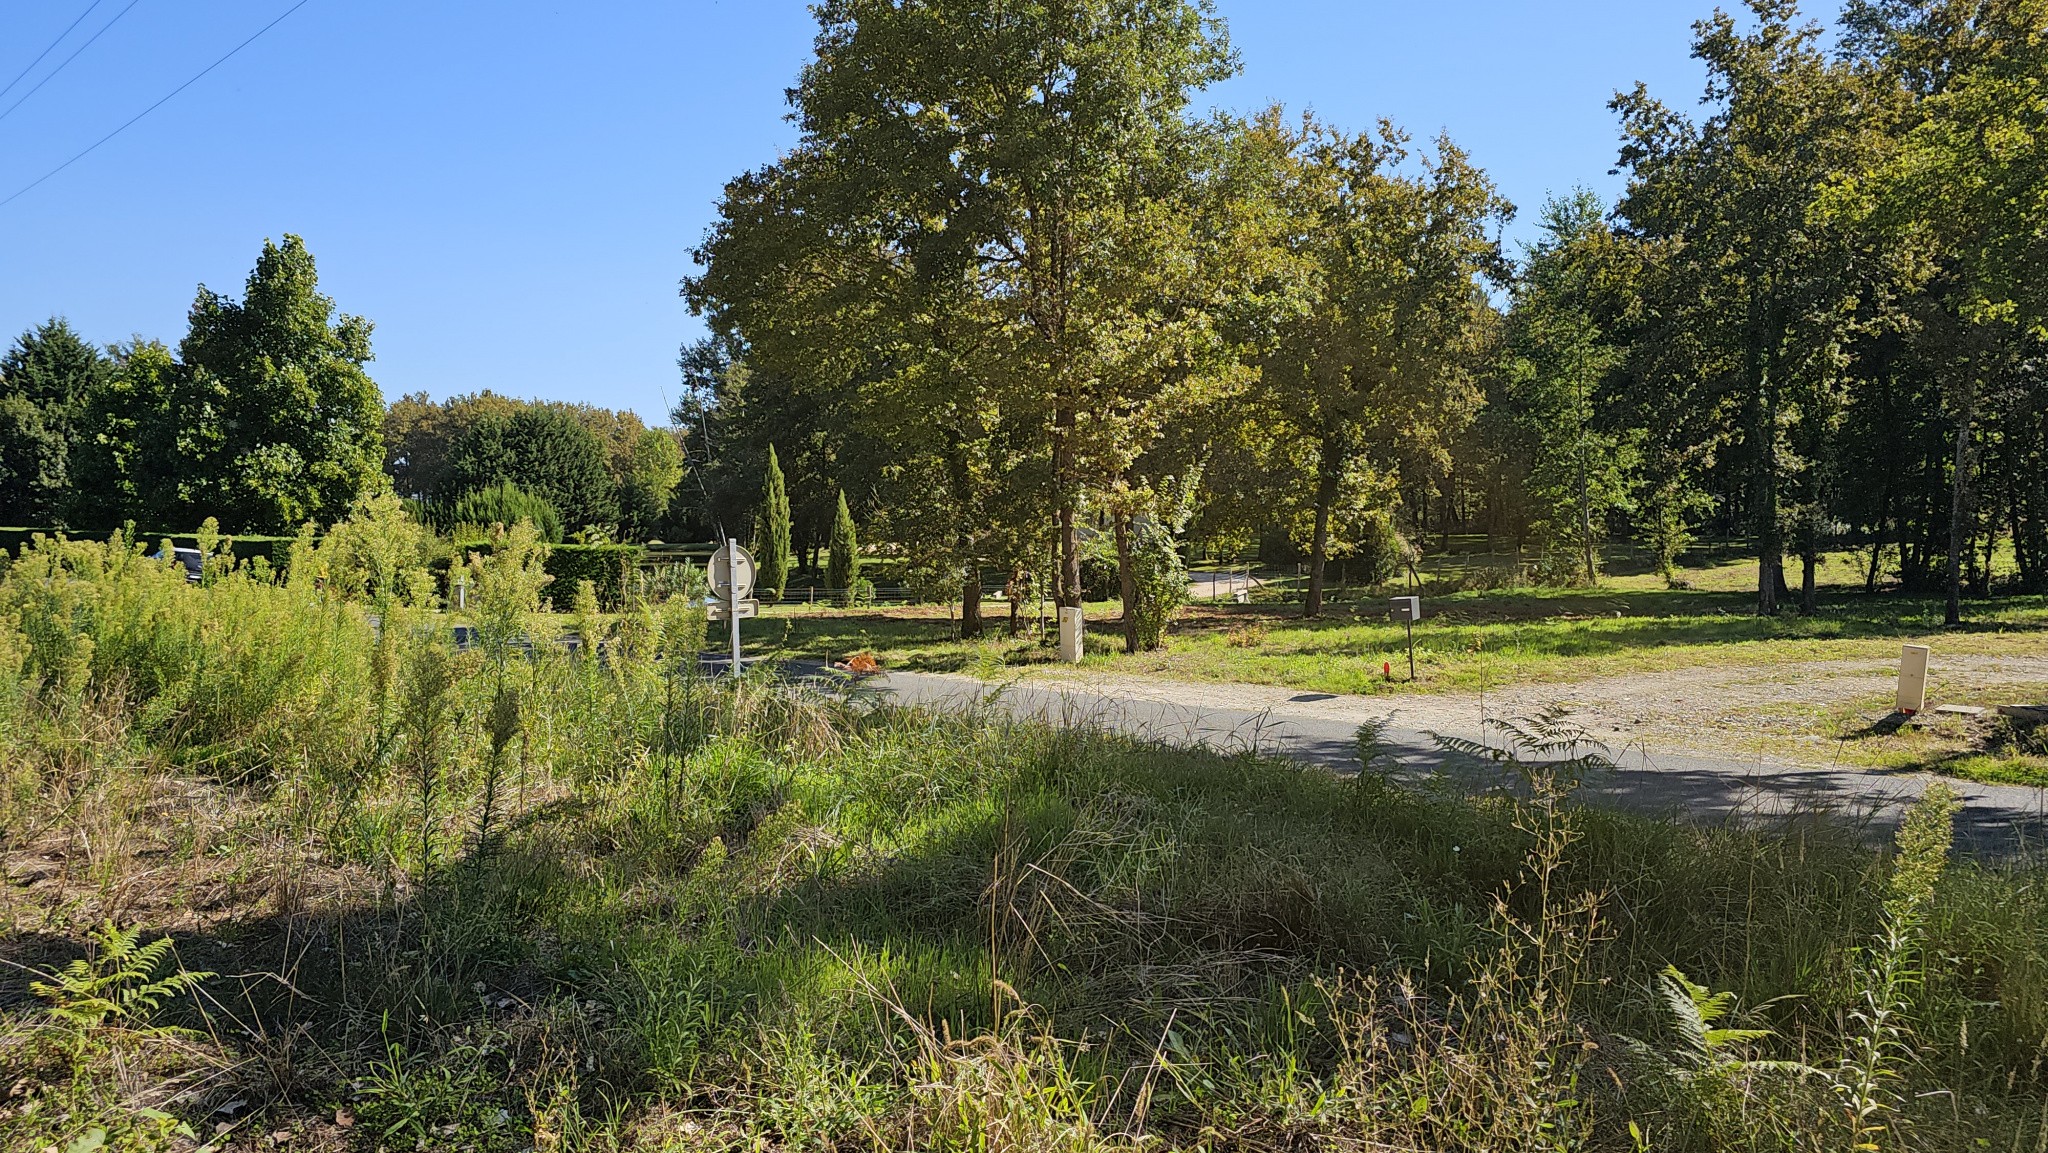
(732, 587)
(1408, 610)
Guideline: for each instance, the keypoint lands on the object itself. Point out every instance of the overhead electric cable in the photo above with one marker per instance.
(68, 59)
(152, 108)
(53, 46)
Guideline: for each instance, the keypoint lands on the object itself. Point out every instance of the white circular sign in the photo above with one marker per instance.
(732, 572)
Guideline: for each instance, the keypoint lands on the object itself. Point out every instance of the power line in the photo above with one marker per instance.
(68, 59)
(152, 108)
(53, 46)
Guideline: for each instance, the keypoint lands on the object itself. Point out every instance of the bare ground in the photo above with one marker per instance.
(1806, 712)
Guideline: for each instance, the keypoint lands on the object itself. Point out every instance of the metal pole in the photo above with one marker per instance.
(732, 598)
(1411, 650)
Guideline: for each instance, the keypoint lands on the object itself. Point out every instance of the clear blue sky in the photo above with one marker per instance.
(510, 191)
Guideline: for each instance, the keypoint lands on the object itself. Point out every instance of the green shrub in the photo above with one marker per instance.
(501, 503)
(608, 567)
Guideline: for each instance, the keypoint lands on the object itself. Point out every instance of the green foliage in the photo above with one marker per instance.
(502, 503)
(772, 557)
(545, 451)
(1577, 474)
(292, 420)
(507, 580)
(378, 553)
(116, 984)
(1160, 579)
(33, 457)
(1880, 1048)
(649, 486)
(609, 568)
(842, 572)
(47, 378)
(271, 683)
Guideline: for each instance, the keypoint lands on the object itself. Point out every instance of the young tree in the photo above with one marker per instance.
(505, 503)
(1561, 357)
(771, 533)
(844, 571)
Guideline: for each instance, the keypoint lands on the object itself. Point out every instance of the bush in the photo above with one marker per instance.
(1378, 553)
(502, 503)
(1161, 579)
(609, 567)
(1099, 578)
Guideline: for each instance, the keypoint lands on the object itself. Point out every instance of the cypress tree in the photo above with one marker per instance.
(771, 534)
(844, 567)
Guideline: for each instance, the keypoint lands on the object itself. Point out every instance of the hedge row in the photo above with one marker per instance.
(273, 548)
(606, 566)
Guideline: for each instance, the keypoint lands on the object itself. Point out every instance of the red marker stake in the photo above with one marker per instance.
(1387, 669)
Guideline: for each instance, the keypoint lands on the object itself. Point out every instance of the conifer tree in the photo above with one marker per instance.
(771, 533)
(844, 568)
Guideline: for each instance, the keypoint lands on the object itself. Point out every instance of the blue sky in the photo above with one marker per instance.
(510, 191)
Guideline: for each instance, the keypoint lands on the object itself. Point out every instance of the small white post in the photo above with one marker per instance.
(732, 599)
(1071, 632)
(1913, 679)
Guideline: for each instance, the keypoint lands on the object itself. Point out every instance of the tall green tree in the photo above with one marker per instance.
(48, 377)
(1970, 182)
(1050, 141)
(143, 435)
(653, 470)
(545, 451)
(844, 570)
(280, 377)
(1374, 363)
(1576, 471)
(772, 559)
(1754, 296)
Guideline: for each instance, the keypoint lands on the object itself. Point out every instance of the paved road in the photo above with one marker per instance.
(1996, 819)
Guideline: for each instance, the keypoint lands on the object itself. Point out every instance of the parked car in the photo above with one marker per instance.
(193, 560)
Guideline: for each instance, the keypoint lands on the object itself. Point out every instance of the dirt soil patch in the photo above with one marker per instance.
(1814, 712)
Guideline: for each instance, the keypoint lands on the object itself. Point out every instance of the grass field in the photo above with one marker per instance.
(418, 899)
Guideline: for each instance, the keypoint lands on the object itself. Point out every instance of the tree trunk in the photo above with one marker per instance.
(970, 602)
(1770, 541)
(1884, 512)
(1958, 505)
(1809, 558)
(1127, 577)
(1319, 549)
(1586, 517)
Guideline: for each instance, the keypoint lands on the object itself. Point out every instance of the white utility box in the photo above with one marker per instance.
(1913, 679)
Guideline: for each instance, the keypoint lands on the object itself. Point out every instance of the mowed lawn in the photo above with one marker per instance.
(1472, 640)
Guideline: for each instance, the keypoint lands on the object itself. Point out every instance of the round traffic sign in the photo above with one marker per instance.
(732, 572)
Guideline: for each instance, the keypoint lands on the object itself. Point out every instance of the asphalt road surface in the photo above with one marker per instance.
(1996, 820)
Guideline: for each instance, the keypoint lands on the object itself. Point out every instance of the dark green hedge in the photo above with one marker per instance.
(274, 548)
(607, 566)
